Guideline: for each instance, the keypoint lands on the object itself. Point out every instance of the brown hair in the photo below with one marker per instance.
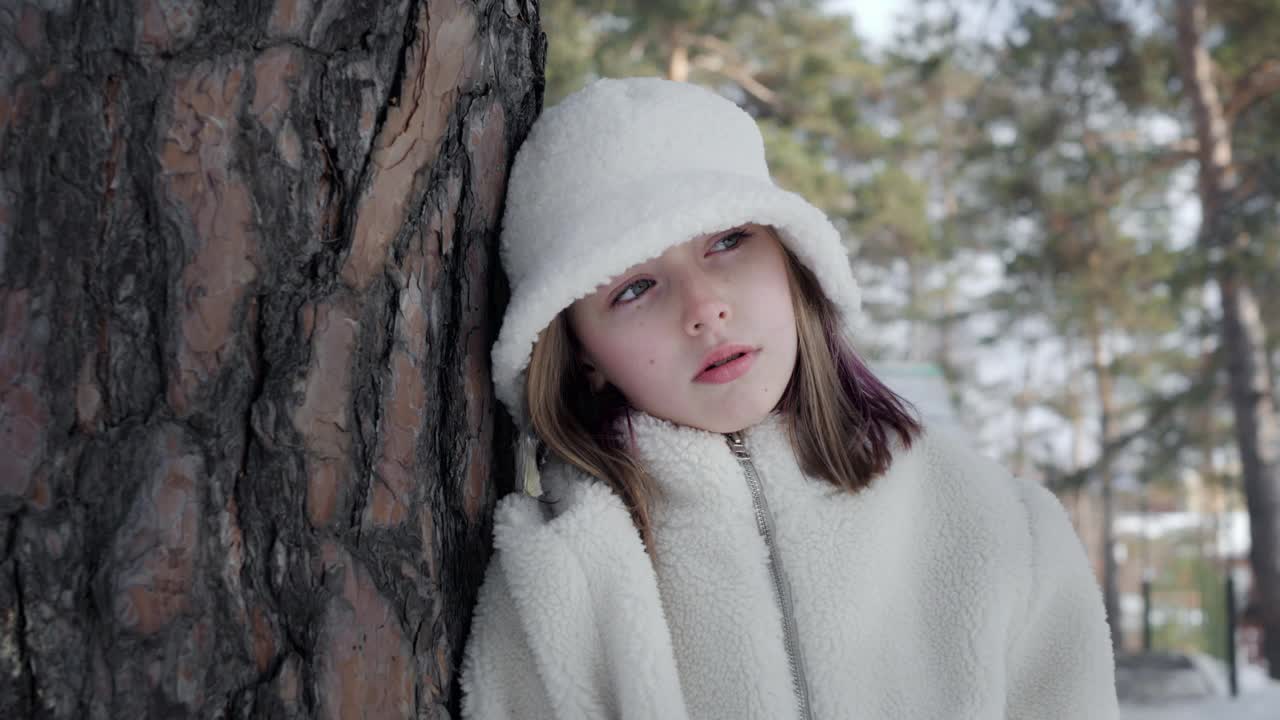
(843, 437)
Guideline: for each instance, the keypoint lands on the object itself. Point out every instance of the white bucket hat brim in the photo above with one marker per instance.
(640, 221)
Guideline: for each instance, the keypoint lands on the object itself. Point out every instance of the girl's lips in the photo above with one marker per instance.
(727, 372)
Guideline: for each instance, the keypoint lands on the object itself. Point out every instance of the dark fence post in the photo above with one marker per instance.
(1146, 614)
(1232, 670)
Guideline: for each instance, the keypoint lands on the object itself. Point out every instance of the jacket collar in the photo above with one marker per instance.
(687, 462)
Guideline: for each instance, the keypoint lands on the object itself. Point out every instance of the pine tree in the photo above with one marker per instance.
(248, 288)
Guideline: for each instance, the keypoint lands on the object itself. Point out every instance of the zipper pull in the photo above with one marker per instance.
(737, 445)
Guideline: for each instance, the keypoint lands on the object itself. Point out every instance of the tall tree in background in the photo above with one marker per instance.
(1166, 72)
(247, 293)
(1077, 102)
(1224, 189)
(909, 216)
(1060, 168)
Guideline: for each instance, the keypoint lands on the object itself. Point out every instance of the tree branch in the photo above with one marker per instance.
(1162, 410)
(753, 87)
(723, 58)
(1166, 158)
(1261, 81)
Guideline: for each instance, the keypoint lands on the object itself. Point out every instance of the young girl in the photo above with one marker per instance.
(735, 519)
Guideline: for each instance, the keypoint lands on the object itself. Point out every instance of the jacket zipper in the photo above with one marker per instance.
(764, 523)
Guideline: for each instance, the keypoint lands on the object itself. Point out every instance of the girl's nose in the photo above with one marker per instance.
(704, 311)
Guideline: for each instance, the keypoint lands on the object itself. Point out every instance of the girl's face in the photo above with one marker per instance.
(652, 331)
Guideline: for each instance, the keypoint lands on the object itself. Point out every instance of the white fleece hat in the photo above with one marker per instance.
(614, 175)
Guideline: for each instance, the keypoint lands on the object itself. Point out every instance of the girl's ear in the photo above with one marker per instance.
(595, 379)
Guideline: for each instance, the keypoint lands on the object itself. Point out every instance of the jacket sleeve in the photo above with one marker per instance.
(1060, 660)
(499, 678)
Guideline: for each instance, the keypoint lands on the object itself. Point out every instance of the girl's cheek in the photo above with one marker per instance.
(631, 350)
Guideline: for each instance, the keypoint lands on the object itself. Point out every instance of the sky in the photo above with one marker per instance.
(873, 18)
(877, 20)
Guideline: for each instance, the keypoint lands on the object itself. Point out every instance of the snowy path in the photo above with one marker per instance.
(1259, 700)
(1261, 705)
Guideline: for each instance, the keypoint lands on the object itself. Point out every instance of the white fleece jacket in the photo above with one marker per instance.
(947, 589)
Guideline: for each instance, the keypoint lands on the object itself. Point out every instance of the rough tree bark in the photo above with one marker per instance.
(1257, 423)
(247, 293)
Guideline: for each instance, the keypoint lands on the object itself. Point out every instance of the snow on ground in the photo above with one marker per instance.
(1258, 705)
(1259, 699)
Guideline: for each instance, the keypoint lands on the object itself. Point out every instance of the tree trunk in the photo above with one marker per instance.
(248, 291)
(1257, 427)
(1106, 421)
(678, 62)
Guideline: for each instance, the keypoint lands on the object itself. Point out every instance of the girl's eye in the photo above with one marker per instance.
(733, 240)
(643, 285)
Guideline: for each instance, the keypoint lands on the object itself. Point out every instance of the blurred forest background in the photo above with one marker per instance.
(1069, 211)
